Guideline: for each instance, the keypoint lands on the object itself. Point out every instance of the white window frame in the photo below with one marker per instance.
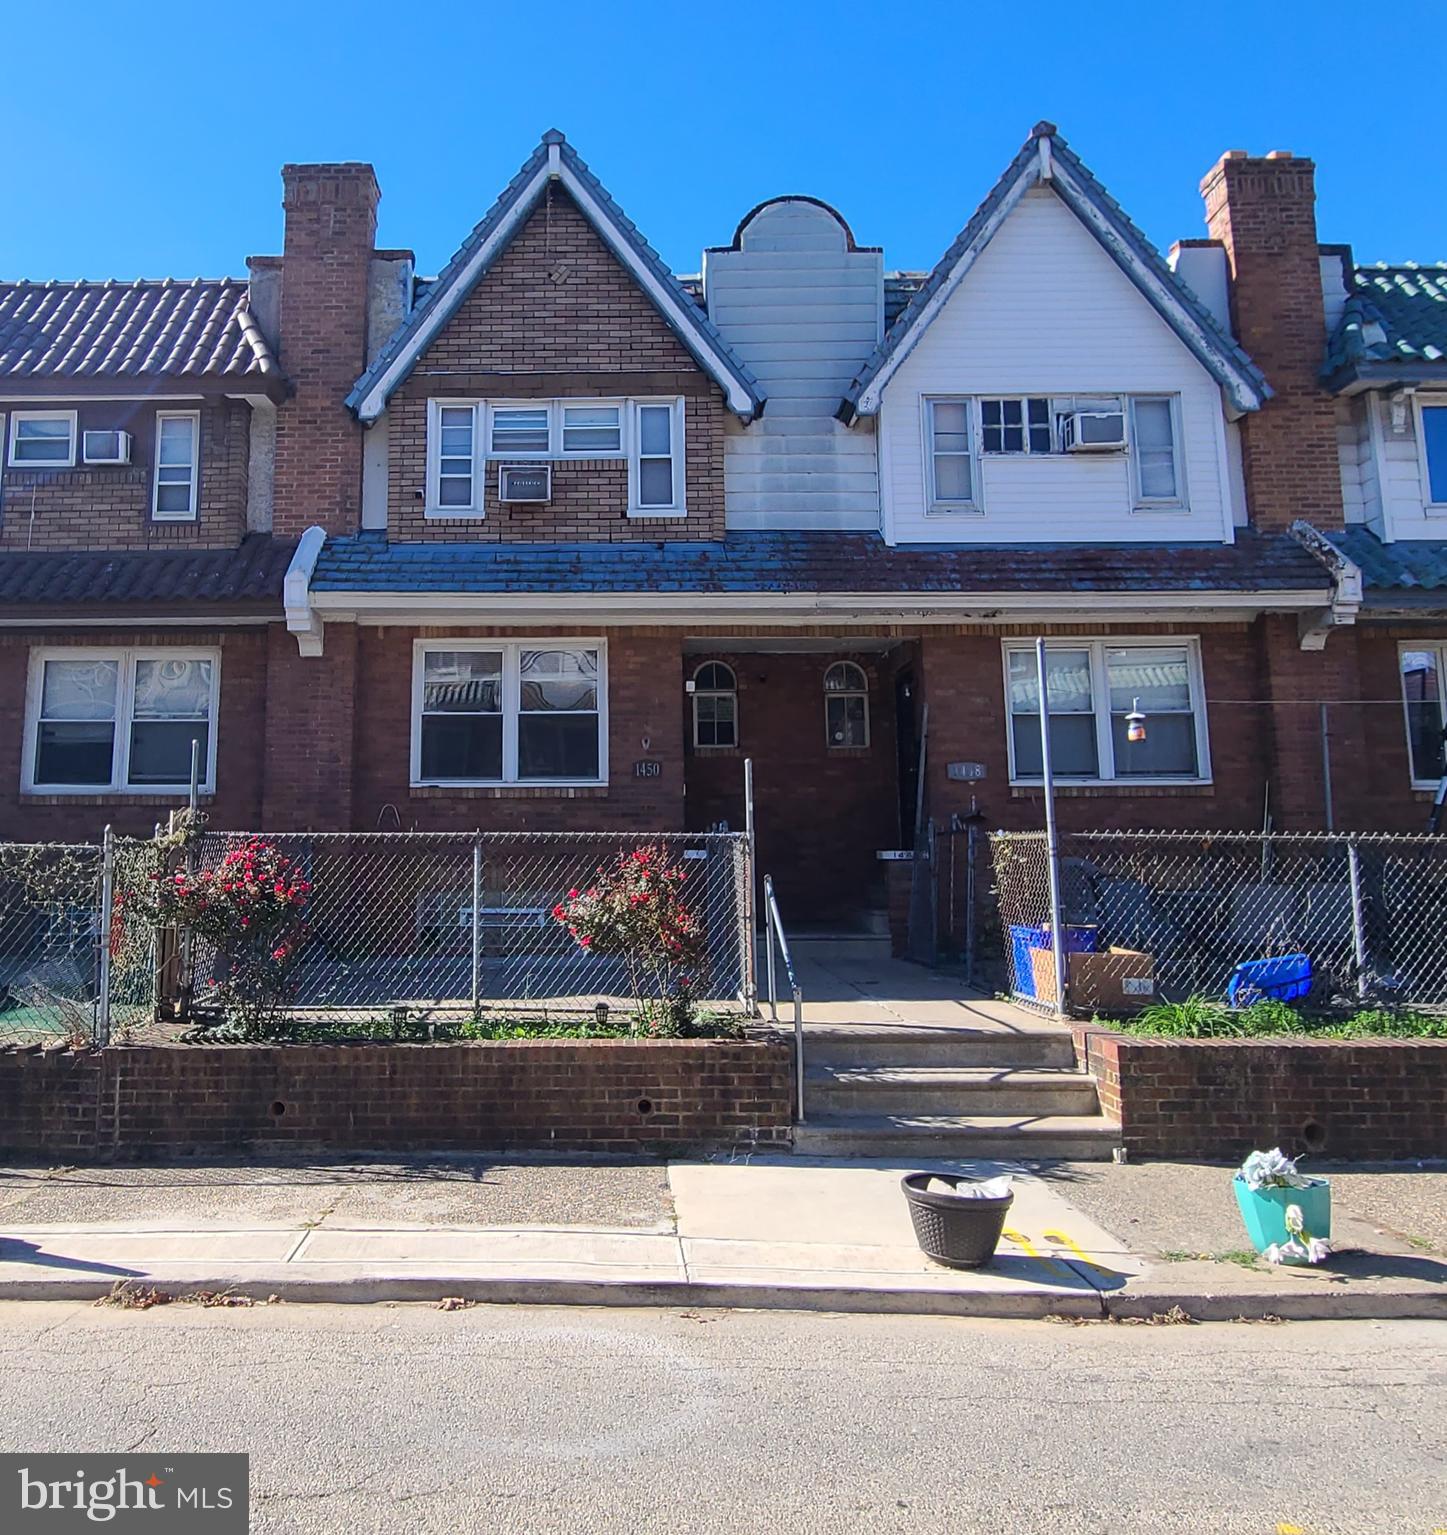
(1100, 707)
(1439, 648)
(678, 507)
(189, 515)
(483, 412)
(1430, 507)
(935, 504)
(729, 692)
(17, 416)
(1139, 501)
(511, 698)
(860, 692)
(126, 658)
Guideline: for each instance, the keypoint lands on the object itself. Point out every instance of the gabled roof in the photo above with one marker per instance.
(554, 160)
(151, 580)
(143, 330)
(1046, 159)
(1393, 327)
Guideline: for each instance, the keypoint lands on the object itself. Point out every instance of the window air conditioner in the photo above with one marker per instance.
(106, 447)
(525, 483)
(1093, 431)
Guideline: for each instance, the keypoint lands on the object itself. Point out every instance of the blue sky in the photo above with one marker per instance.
(150, 143)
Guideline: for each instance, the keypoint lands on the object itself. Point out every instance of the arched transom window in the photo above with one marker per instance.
(846, 705)
(715, 705)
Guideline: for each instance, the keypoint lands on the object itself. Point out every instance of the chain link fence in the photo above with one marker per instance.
(1369, 911)
(49, 942)
(446, 925)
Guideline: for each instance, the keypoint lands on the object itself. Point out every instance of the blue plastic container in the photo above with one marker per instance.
(1080, 938)
(1264, 1211)
(1282, 979)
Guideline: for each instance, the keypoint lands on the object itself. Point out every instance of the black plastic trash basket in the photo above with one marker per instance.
(960, 1233)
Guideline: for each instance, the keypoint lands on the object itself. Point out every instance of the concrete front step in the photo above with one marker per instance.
(1077, 1138)
(947, 1090)
(907, 1045)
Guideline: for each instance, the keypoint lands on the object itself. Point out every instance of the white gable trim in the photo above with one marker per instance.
(557, 169)
(1242, 392)
(869, 400)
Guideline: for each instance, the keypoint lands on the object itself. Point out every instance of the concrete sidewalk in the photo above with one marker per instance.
(767, 1232)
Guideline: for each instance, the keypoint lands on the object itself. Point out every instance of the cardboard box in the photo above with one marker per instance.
(1114, 981)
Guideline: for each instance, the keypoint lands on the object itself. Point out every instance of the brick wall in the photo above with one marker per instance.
(557, 315)
(1225, 1098)
(81, 817)
(110, 508)
(1264, 213)
(134, 1103)
(331, 225)
(645, 683)
(310, 763)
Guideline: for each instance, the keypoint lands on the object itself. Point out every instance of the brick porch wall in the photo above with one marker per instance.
(1224, 1098)
(139, 1102)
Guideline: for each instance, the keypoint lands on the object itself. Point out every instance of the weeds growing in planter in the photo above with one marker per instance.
(635, 911)
(1205, 1018)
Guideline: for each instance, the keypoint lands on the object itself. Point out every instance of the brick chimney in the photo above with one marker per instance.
(1263, 211)
(331, 227)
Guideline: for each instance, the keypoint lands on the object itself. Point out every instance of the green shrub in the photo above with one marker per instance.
(1205, 1018)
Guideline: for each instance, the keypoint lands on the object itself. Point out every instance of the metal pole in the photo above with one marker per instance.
(1326, 770)
(193, 798)
(1359, 932)
(1052, 839)
(751, 937)
(799, 1050)
(769, 948)
(970, 899)
(476, 919)
(103, 981)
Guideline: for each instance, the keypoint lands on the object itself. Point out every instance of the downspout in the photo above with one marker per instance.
(302, 618)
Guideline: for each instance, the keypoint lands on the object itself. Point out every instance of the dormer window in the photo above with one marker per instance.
(1016, 426)
(42, 439)
(520, 433)
(1433, 422)
(177, 432)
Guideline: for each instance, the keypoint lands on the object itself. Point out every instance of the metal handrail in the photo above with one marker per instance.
(774, 933)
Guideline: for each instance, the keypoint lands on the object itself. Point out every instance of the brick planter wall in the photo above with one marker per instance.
(132, 1103)
(1373, 1098)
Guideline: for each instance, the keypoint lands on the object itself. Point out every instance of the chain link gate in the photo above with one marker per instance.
(1369, 910)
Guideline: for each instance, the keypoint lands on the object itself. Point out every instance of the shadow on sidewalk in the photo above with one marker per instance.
(13, 1250)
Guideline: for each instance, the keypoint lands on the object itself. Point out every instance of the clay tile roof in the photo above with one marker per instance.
(192, 330)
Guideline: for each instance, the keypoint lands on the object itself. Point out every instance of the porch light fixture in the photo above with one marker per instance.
(1135, 723)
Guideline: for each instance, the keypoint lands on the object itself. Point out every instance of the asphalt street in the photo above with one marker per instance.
(519, 1419)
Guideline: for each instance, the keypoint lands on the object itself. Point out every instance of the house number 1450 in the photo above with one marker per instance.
(648, 770)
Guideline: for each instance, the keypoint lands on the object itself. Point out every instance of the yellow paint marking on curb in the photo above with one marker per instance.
(1065, 1241)
(1289, 1529)
(1029, 1247)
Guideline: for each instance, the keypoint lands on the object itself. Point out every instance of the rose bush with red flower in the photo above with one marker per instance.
(249, 910)
(635, 910)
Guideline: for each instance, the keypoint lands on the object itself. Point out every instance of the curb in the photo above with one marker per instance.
(1201, 1306)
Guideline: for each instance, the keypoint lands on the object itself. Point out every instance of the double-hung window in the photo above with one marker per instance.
(1424, 697)
(1093, 688)
(949, 453)
(655, 471)
(177, 436)
(1155, 452)
(463, 436)
(120, 721)
(1432, 431)
(42, 439)
(489, 712)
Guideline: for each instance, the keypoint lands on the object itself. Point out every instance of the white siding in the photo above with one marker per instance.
(1404, 491)
(1361, 494)
(1045, 310)
(804, 312)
